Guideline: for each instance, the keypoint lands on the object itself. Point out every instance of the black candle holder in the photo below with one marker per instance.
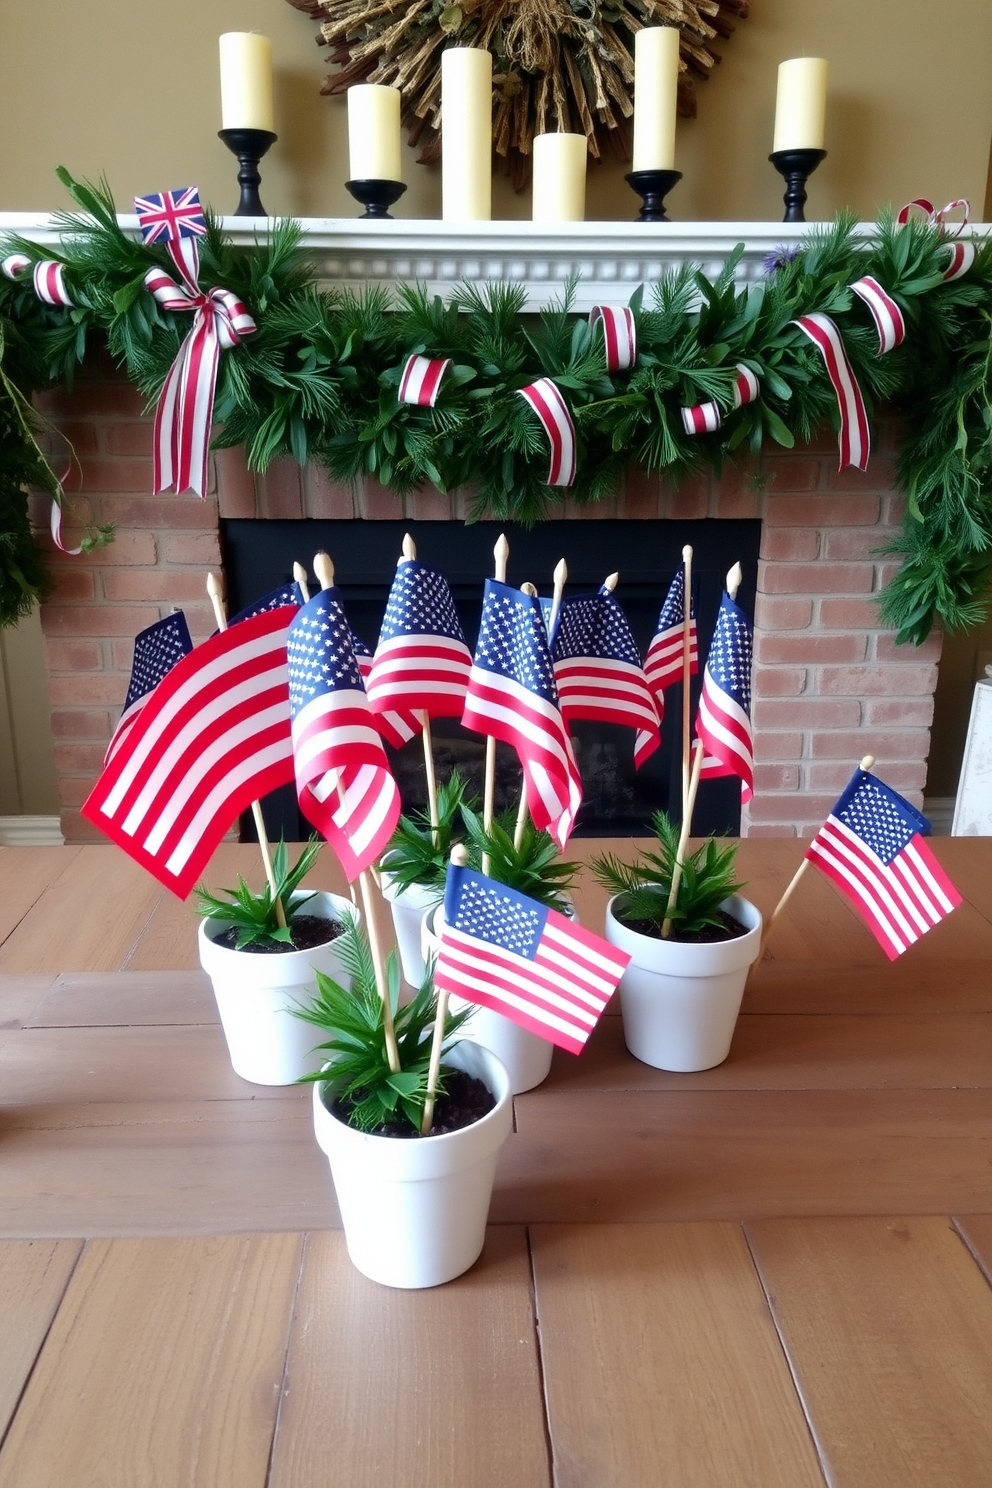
(652, 186)
(796, 166)
(249, 145)
(376, 196)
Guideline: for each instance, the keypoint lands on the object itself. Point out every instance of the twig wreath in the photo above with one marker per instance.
(320, 379)
(558, 65)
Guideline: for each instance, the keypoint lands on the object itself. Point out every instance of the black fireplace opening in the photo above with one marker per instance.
(617, 799)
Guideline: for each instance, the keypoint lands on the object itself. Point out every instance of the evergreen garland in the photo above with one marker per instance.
(319, 379)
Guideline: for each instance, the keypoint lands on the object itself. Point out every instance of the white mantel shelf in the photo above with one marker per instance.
(608, 259)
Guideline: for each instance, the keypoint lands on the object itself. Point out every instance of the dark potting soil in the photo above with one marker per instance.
(307, 931)
(466, 1102)
(729, 928)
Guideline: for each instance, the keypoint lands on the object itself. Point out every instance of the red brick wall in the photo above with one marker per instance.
(829, 683)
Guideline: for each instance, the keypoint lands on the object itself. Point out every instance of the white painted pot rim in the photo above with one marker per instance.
(684, 959)
(289, 967)
(416, 897)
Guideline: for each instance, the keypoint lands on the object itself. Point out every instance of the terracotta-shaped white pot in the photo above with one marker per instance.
(408, 909)
(414, 1209)
(267, 1043)
(526, 1055)
(680, 1002)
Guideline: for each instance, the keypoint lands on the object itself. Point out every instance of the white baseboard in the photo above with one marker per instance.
(939, 811)
(30, 831)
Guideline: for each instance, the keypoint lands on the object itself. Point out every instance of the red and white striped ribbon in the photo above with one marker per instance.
(49, 277)
(619, 335)
(962, 254)
(705, 418)
(855, 438)
(550, 407)
(186, 402)
(884, 312)
(421, 380)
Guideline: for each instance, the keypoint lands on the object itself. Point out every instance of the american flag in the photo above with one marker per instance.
(871, 846)
(421, 660)
(156, 651)
(165, 216)
(213, 736)
(507, 952)
(663, 663)
(723, 723)
(598, 670)
(512, 696)
(396, 728)
(343, 780)
(286, 594)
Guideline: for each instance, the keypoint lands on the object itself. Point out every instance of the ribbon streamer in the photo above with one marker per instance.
(884, 311)
(619, 335)
(855, 438)
(706, 418)
(48, 274)
(421, 380)
(550, 407)
(962, 254)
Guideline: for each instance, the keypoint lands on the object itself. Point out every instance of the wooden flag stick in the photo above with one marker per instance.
(501, 553)
(216, 594)
(686, 731)
(866, 764)
(410, 551)
(324, 569)
(459, 857)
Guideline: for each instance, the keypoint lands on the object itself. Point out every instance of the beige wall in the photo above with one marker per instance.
(130, 88)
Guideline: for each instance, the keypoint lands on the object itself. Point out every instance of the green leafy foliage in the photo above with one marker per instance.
(419, 854)
(355, 1040)
(534, 868)
(644, 887)
(254, 915)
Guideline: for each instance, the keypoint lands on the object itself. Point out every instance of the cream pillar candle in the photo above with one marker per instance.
(559, 178)
(656, 94)
(801, 104)
(374, 133)
(246, 81)
(466, 134)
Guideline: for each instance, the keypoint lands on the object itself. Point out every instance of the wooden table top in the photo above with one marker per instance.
(772, 1274)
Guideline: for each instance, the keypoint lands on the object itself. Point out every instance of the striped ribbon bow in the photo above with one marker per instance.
(619, 335)
(186, 402)
(962, 254)
(421, 380)
(550, 407)
(706, 418)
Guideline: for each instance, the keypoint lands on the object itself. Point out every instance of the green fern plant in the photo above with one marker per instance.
(535, 868)
(355, 1040)
(254, 915)
(644, 887)
(419, 854)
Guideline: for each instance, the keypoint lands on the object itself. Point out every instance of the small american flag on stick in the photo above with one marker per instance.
(598, 670)
(396, 728)
(663, 662)
(723, 724)
(421, 660)
(156, 651)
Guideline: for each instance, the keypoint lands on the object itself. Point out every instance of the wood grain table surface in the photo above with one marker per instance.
(773, 1274)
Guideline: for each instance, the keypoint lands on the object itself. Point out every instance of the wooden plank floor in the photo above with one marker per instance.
(772, 1273)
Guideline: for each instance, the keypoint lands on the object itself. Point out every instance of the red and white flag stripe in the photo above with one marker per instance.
(408, 668)
(885, 313)
(613, 692)
(396, 728)
(550, 407)
(421, 380)
(619, 335)
(725, 731)
(664, 663)
(854, 439)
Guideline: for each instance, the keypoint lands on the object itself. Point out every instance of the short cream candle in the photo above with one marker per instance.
(374, 133)
(801, 104)
(466, 134)
(656, 96)
(560, 178)
(246, 81)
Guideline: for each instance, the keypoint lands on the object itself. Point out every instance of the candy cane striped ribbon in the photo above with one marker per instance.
(49, 277)
(884, 311)
(186, 402)
(962, 254)
(705, 418)
(854, 439)
(550, 407)
(421, 380)
(619, 335)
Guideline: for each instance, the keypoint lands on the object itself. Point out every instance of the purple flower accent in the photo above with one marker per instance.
(780, 256)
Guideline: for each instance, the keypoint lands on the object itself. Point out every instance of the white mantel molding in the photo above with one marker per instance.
(609, 259)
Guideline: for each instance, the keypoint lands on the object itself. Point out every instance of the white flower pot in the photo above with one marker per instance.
(267, 1043)
(414, 1209)
(408, 908)
(526, 1055)
(680, 1002)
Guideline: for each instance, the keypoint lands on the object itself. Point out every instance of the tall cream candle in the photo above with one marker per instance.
(374, 133)
(466, 134)
(801, 104)
(246, 81)
(559, 178)
(656, 95)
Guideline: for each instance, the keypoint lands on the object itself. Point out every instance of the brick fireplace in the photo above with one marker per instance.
(829, 686)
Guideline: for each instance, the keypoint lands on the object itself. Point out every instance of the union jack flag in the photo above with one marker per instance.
(663, 663)
(396, 728)
(598, 670)
(723, 723)
(156, 651)
(421, 660)
(513, 697)
(507, 952)
(343, 780)
(165, 216)
(871, 846)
